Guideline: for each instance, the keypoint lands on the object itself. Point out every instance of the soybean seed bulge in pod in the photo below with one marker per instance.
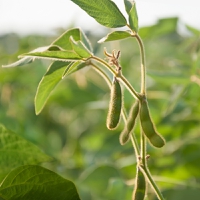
(115, 105)
(148, 127)
(125, 134)
(139, 187)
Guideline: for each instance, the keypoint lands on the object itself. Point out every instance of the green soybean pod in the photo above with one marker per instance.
(148, 127)
(115, 105)
(125, 134)
(140, 186)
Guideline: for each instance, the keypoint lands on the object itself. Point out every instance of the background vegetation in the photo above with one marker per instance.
(71, 129)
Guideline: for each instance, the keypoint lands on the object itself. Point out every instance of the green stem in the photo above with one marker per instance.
(135, 145)
(148, 175)
(143, 64)
(143, 166)
(105, 64)
(143, 148)
(129, 87)
(142, 57)
(123, 79)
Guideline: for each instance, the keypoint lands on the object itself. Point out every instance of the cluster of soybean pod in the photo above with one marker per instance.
(148, 129)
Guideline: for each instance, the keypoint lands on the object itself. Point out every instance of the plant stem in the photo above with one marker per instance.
(145, 169)
(142, 57)
(143, 165)
(104, 63)
(143, 64)
(143, 148)
(123, 79)
(148, 175)
(135, 145)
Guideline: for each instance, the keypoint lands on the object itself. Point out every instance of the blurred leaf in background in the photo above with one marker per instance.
(71, 128)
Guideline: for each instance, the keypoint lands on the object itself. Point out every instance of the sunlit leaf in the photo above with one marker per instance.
(193, 30)
(128, 5)
(85, 41)
(80, 49)
(20, 62)
(116, 35)
(34, 182)
(48, 83)
(74, 67)
(103, 11)
(16, 151)
(64, 40)
(132, 14)
(64, 56)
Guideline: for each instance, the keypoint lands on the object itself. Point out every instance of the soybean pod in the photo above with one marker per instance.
(140, 186)
(148, 127)
(115, 105)
(125, 134)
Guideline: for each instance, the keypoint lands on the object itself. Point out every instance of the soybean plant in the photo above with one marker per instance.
(72, 51)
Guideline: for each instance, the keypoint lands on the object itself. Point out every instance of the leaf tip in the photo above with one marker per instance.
(102, 40)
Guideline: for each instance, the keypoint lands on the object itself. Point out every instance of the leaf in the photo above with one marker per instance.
(103, 174)
(64, 56)
(85, 41)
(128, 5)
(79, 48)
(34, 182)
(63, 43)
(64, 40)
(74, 67)
(132, 14)
(162, 27)
(16, 151)
(193, 30)
(116, 35)
(169, 78)
(49, 81)
(20, 62)
(117, 189)
(103, 11)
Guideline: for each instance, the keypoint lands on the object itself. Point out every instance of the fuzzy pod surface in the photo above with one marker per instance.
(115, 105)
(140, 186)
(125, 134)
(148, 127)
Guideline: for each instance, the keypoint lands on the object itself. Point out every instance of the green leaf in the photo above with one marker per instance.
(193, 30)
(20, 62)
(62, 44)
(101, 173)
(103, 11)
(116, 35)
(80, 49)
(132, 14)
(33, 182)
(65, 56)
(16, 151)
(162, 27)
(49, 81)
(128, 5)
(74, 67)
(64, 40)
(85, 41)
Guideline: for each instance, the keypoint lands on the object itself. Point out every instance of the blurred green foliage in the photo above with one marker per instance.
(72, 129)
